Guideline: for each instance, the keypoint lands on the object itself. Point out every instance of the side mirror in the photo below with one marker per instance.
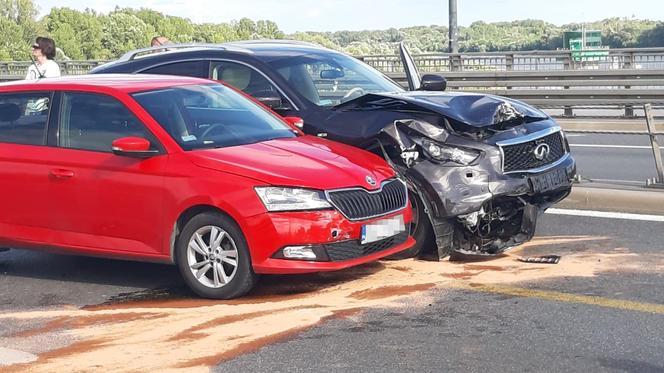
(136, 147)
(431, 82)
(295, 121)
(270, 99)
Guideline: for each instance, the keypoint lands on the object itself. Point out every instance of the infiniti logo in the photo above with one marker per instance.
(370, 180)
(541, 151)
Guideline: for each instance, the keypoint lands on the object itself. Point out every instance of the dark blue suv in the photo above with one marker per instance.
(480, 168)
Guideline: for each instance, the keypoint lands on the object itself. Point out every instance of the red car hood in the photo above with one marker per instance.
(303, 161)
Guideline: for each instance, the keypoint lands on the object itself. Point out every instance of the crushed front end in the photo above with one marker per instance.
(483, 191)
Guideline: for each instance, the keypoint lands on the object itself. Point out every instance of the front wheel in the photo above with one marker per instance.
(420, 229)
(213, 257)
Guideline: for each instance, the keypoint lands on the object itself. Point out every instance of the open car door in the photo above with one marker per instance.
(412, 75)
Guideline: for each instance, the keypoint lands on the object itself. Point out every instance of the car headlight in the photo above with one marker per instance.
(450, 153)
(290, 199)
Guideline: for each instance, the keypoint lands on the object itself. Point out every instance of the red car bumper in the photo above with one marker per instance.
(328, 230)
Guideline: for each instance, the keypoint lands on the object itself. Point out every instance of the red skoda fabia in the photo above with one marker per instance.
(187, 171)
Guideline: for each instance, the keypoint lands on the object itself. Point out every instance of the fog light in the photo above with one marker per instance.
(299, 252)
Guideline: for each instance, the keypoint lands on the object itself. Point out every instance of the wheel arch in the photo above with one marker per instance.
(185, 216)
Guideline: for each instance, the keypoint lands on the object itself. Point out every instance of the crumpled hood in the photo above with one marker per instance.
(304, 161)
(476, 110)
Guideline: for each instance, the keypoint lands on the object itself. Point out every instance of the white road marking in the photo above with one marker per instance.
(611, 146)
(615, 181)
(10, 357)
(606, 214)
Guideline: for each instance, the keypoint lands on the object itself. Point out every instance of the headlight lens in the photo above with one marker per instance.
(290, 199)
(450, 153)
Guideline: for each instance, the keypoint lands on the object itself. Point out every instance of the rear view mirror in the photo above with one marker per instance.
(432, 82)
(136, 147)
(332, 74)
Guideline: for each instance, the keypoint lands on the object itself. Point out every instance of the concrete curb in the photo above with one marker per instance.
(618, 200)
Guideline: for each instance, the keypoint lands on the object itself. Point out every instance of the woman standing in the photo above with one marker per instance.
(43, 66)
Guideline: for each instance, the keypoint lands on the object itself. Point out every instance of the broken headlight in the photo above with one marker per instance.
(448, 153)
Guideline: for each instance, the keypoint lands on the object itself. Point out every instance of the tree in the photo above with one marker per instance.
(12, 44)
(122, 32)
(77, 33)
(268, 30)
(214, 33)
(245, 29)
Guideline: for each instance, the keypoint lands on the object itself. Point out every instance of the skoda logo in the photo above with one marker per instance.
(541, 151)
(370, 180)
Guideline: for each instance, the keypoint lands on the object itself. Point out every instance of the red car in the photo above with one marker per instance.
(190, 172)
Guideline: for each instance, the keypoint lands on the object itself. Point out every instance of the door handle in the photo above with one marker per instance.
(60, 173)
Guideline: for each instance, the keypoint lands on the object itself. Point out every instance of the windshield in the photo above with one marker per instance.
(211, 116)
(329, 78)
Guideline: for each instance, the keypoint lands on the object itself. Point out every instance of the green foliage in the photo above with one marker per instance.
(91, 35)
(653, 37)
(12, 44)
(122, 32)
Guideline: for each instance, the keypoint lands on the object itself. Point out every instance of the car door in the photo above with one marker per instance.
(102, 201)
(25, 168)
(410, 68)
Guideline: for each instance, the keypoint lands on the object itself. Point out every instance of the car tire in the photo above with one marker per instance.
(420, 229)
(213, 257)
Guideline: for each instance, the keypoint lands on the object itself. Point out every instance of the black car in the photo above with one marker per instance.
(480, 168)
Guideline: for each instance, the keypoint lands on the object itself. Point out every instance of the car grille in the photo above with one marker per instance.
(353, 249)
(521, 157)
(358, 204)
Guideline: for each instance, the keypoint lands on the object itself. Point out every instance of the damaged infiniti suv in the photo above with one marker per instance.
(480, 168)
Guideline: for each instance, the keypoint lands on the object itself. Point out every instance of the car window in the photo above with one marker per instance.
(211, 116)
(330, 78)
(23, 117)
(196, 69)
(241, 77)
(91, 121)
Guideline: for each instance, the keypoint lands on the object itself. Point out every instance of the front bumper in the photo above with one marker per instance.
(461, 190)
(327, 230)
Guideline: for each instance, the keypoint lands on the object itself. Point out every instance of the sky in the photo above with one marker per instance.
(335, 15)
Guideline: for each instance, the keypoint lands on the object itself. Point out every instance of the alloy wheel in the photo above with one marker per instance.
(212, 256)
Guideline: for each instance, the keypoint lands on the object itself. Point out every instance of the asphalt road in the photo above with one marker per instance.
(476, 331)
(613, 321)
(616, 159)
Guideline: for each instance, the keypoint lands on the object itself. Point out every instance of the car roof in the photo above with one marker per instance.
(127, 83)
(249, 47)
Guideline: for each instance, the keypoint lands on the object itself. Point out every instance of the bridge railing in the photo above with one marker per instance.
(595, 59)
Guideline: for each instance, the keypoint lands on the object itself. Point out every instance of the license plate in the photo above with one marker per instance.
(382, 229)
(549, 181)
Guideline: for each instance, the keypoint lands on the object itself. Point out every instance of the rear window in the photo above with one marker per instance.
(24, 117)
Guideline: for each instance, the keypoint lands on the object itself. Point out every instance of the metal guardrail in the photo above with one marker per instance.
(16, 70)
(608, 59)
(652, 133)
(564, 89)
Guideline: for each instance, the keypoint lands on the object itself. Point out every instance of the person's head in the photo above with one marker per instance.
(44, 47)
(159, 40)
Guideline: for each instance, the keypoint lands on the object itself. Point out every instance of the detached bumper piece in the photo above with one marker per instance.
(345, 250)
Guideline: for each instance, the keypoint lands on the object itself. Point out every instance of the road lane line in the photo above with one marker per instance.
(612, 146)
(616, 181)
(606, 214)
(569, 298)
